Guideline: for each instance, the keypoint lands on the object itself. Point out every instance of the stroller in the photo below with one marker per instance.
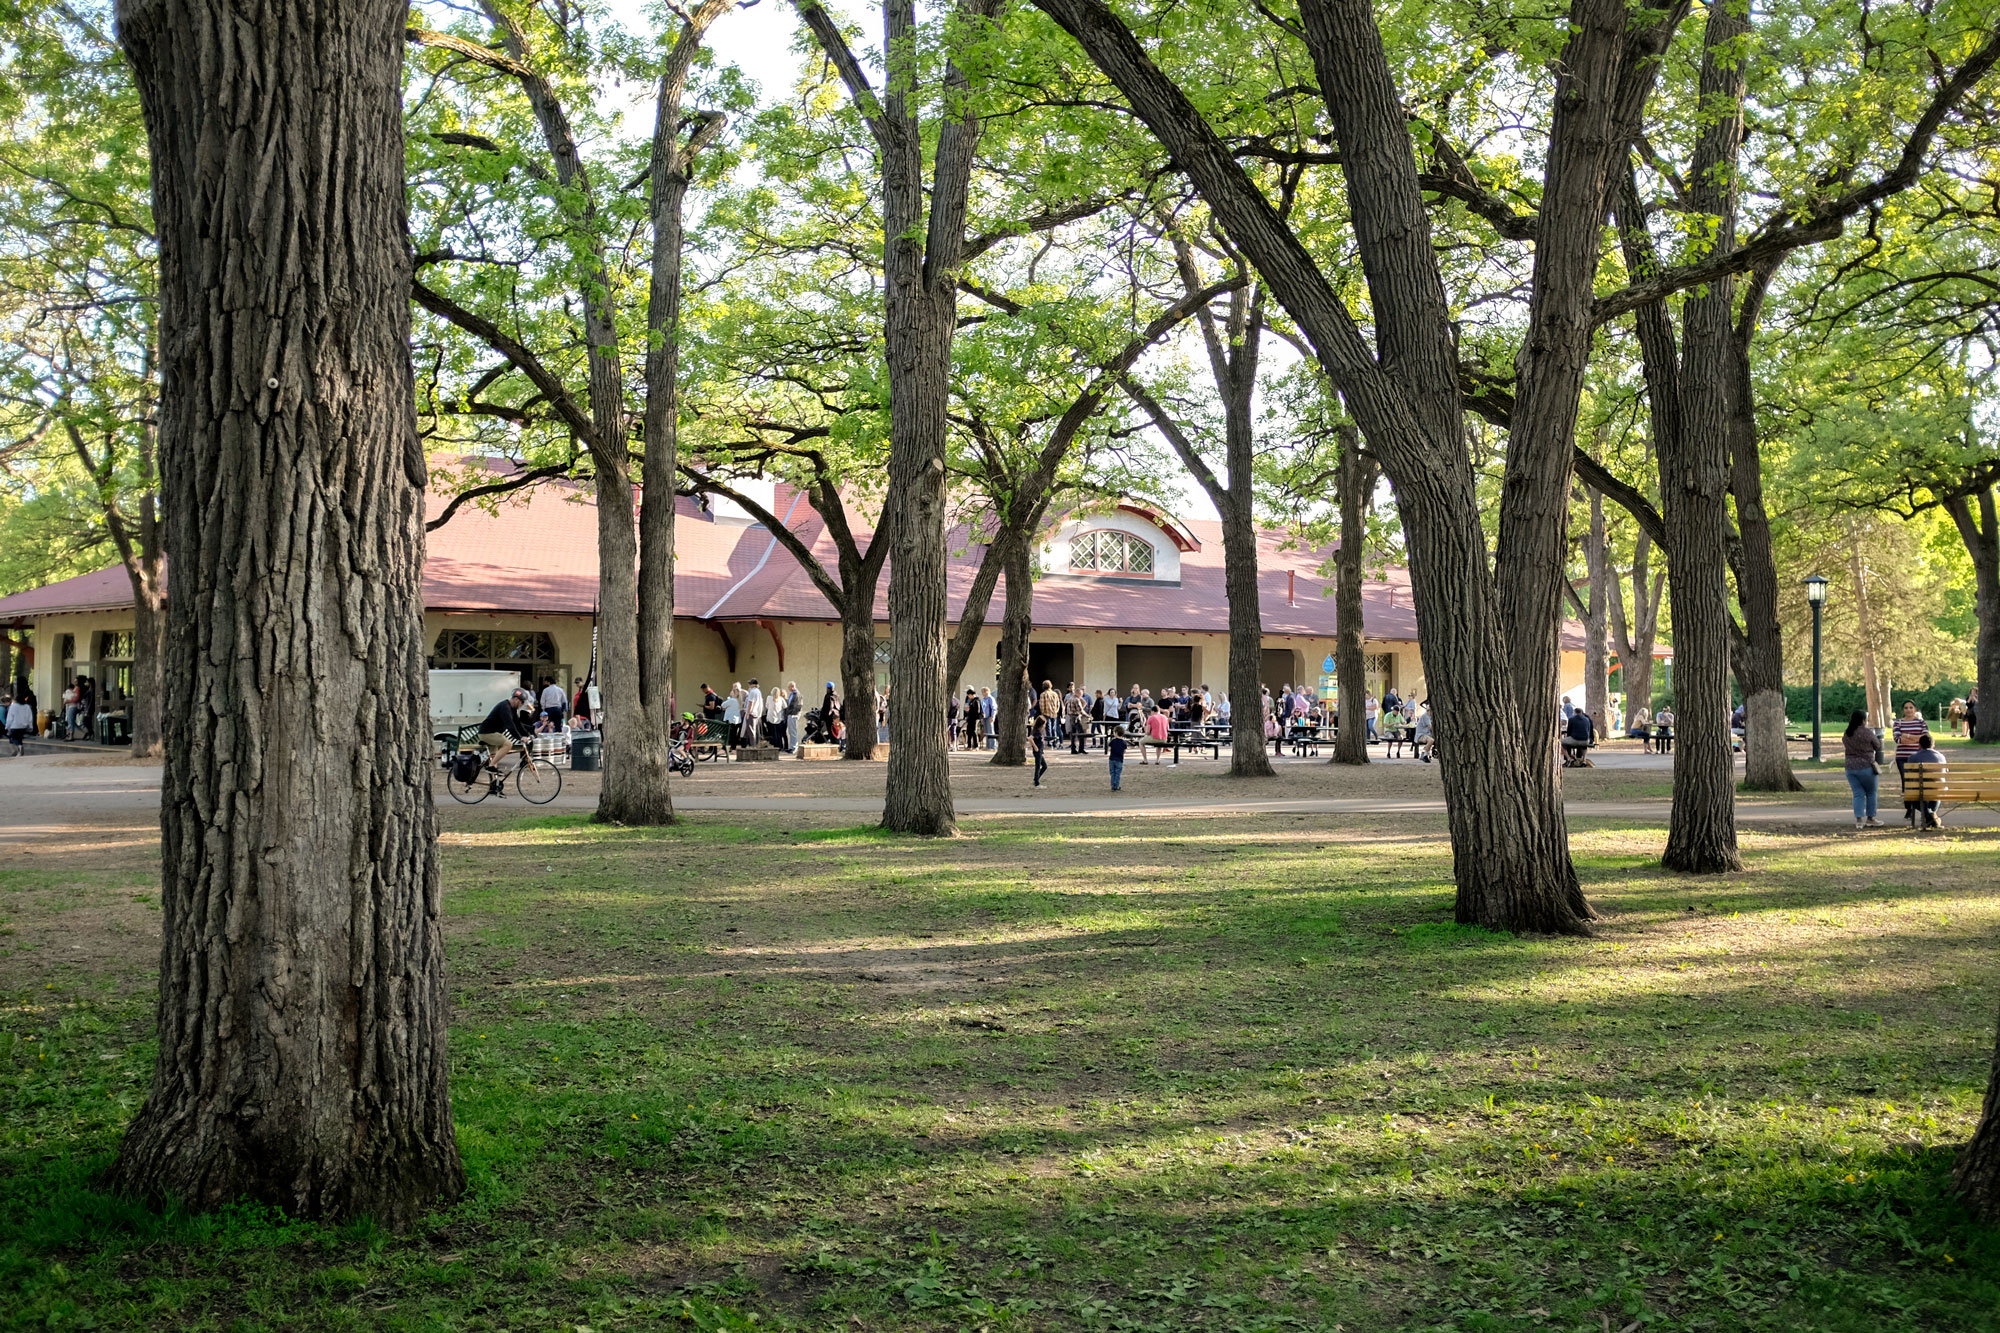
(820, 727)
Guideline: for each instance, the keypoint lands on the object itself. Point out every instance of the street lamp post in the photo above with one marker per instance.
(1816, 594)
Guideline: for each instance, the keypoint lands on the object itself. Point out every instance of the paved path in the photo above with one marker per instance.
(41, 796)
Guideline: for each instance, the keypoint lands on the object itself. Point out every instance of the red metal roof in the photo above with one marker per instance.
(536, 553)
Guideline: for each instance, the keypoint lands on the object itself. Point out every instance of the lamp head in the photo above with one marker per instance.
(1815, 589)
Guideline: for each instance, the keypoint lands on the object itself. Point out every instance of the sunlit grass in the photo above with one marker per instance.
(1221, 1073)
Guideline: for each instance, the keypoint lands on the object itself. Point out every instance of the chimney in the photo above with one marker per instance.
(1291, 587)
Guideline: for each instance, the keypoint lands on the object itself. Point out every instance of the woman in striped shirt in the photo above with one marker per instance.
(1909, 729)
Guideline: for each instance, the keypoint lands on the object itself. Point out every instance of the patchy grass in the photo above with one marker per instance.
(1203, 1073)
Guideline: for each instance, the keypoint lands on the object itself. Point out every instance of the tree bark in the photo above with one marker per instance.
(1357, 487)
(923, 237)
(857, 676)
(643, 792)
(1981, 535)
(1635, 637)
(1010, 716)
(1767, 756)
(1976, 1176)
(1694, 481)
(972, 615)
(302, 1004)
(1233, 355)
(1872, 684)
(1596, 637)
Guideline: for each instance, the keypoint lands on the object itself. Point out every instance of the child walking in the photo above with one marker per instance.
(1115, 747)
(1041, 759)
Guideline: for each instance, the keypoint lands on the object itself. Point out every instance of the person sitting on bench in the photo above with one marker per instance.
(1578, 737)
(1924, 814)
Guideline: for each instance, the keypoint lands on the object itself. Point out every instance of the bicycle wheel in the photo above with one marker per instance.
(538, 781)
(468, 793)
(683, 763)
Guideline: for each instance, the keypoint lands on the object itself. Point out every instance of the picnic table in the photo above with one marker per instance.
(1304, 738)
(1195, 738)
(1395, 738)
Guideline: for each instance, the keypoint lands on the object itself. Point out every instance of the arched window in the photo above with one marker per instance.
(529, 652)
(1108, 551)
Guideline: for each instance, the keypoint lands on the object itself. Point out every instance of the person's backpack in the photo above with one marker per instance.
(465, 767)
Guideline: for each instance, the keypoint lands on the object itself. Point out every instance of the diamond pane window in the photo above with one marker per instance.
(1107, 551)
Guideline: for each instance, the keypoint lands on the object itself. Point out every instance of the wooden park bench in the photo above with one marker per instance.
(1952, 784)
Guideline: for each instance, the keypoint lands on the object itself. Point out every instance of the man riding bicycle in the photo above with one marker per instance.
(504, 727)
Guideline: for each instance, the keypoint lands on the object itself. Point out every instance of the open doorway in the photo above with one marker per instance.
(1052, 662)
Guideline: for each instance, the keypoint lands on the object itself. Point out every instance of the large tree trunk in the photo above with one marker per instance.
(1010, 715)
(1977, 1174)
(1510, 843)
(149, 646)
(1694, 483)
(1357, 486)
(1596, 628)
(1249, 752)
(857, 674)
(1635, 637)
(1982, 542)
(643, 792)
(1767, 756)
(972, 615)
(301, 1020)
(919, 343)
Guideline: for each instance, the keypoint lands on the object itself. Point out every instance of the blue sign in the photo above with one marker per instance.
(1327, 666)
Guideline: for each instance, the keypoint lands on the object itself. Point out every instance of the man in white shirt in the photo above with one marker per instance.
(989, 708)
(554, 701)
(753, 705)
(1373, 709)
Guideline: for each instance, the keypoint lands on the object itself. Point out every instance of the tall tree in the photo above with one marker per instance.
(302, 1005)
(570, 268)
(923, 228)
(1234, 347)
(1356, 488)
(1490, 641)
(1594, 608)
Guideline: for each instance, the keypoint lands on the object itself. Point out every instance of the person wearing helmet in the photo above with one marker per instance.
(504, 726)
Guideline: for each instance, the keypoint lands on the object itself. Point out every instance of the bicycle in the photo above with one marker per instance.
(536, 781)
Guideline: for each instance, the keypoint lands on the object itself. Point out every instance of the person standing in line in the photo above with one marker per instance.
(1863, 750)
(1114, 746)
(732, 716)
(1073, 718)
(951, 721)
(774, 719)
(1050, 705)
(794, 707)
(711, 703)
(989, 709)
(554, 702)
(1040, 743)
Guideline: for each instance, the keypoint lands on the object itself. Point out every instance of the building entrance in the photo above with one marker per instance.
(1053, 662)
(1154, 667)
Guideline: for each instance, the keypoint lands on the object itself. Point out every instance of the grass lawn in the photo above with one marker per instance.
(1203, 1073)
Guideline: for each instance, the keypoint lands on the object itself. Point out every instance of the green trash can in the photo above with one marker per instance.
(585, 748)
(113, 729)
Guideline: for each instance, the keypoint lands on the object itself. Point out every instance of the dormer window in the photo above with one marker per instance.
(1108, 551)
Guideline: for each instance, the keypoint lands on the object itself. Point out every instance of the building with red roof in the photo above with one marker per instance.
(1128, 596)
